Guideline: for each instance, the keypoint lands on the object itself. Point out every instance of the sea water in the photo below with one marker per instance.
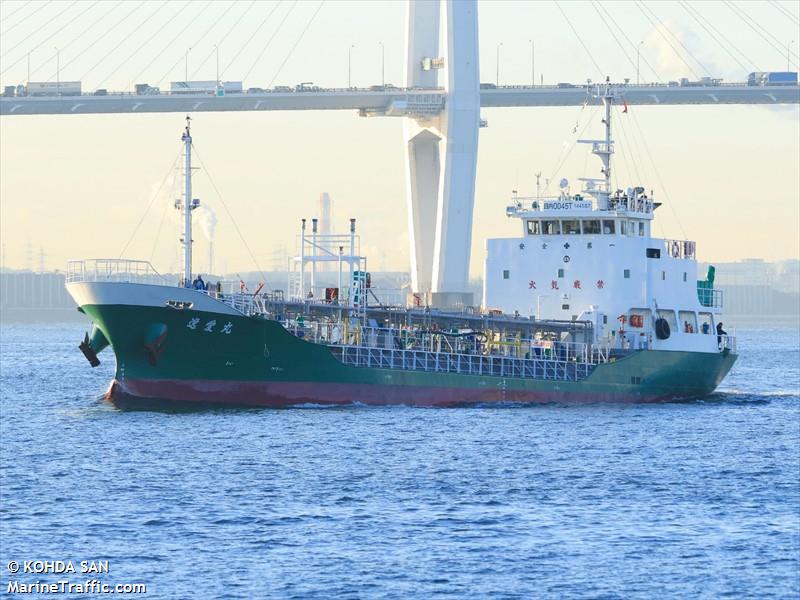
(683, 499)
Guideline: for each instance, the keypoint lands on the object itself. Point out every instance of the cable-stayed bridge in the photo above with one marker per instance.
(394, 102)
(440, 103)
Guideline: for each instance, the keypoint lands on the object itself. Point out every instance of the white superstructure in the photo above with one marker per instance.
(590, 256)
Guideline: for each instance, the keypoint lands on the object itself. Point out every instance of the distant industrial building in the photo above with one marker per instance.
(754, 289)
(757, 289)
(28, 295)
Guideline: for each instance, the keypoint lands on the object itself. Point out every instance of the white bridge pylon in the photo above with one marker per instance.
(442, 146)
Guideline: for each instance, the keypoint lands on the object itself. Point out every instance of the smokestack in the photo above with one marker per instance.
(324, 213)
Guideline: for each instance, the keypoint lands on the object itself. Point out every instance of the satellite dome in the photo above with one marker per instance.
(563, 183)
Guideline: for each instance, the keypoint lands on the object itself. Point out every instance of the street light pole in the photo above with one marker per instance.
(217, 85)
(383, 65)
(350, 65)
(58, 72)
(637, 61)
(497, 73)
(533, 63)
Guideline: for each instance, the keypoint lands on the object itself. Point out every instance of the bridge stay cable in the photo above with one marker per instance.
(660, 29)
(24, 19)
(755, 26)
(143, 44)
(707, 26)
(125, 39)
(614, 37)
(102, 36)
(252, 35)
(577, 37)
(81, 35)
(15, 11)
(216, 22)
(630, 42)
(50, 37)
(39, 29)
(785, 12)
(221, 41)
(269, 41)
(173, 40)
(297, 43)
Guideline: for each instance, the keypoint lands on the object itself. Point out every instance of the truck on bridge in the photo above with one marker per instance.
(52, 88)
(772, 78)
(205, 87)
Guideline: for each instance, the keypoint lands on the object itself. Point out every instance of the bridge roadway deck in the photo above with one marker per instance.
(378, 102)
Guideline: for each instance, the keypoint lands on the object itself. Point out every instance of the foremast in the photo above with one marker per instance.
(188, 204)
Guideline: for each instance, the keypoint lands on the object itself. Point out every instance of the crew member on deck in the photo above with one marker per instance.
(720, 333)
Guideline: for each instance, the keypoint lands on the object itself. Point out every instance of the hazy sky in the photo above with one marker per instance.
(76, 186)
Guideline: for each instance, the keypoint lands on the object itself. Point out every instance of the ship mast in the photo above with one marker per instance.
(605, 155)
(186, 208)
(603, 148)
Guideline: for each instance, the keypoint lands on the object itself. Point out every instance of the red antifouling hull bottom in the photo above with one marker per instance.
(182, 393)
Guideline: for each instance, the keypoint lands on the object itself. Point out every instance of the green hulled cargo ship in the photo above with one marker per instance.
(623, 319)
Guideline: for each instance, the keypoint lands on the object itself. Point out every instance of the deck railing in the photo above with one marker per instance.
(471, 353)
(114, 269)
(728, 342)
(465, 364)
(709, 297)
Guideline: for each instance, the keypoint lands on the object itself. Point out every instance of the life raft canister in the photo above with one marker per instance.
(662, 329)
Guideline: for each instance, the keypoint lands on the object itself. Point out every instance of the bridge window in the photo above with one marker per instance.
(641, 228)
(623, 228)
(684, 275)
(626, 273)
(608, 226)
(551, 228)
(571, 227)
(561, 273)
(631, 227)
(591, 227)
(506, 274)
(534, 228)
